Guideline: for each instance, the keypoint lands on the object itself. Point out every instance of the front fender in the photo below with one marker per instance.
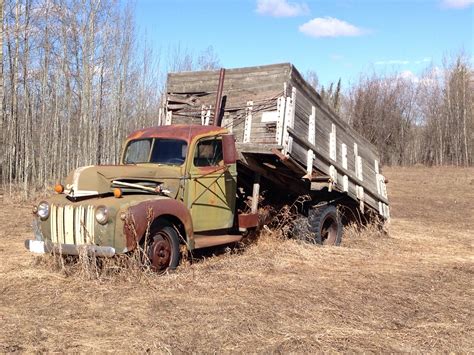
(136, 229)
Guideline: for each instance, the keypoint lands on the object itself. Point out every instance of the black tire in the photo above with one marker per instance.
(325, 222)
(301, 230)
(163, 248)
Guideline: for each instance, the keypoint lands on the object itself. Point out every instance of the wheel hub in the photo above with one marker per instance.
(160, 253)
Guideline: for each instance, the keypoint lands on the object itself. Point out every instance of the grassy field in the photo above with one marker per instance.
(409, 291)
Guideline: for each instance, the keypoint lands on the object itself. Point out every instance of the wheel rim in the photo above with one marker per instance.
(329, 231)
(160, 252)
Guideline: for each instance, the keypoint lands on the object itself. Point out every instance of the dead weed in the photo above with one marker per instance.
(410, 291)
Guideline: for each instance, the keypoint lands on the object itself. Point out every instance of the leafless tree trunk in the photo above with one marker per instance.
(2, 95)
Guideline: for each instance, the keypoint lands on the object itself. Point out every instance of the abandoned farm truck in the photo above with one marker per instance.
(230, 146)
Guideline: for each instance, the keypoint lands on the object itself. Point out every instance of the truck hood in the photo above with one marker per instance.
(97, 179)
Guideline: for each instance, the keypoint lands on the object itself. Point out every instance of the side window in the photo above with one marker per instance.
(208, 152)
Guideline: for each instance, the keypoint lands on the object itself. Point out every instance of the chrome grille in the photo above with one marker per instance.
(72, 225)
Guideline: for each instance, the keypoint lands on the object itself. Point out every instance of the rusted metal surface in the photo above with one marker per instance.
(229, 150)
(160, 251)
(205, 241)
(97, 179)
(220, 87)
(248, 220)
(200, 198)
(135, 230)
(184, 132)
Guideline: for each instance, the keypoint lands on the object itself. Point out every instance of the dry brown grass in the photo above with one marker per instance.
(409, 291)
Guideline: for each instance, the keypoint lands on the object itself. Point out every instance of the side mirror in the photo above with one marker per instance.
(229, 150)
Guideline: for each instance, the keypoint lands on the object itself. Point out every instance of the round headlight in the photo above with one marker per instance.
(102, 214)
(43, 210)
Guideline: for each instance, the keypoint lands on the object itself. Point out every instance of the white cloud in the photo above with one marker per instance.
(281, 8)
(392, 62)
(330, 27)
(402, 61)
(457, 4)
(424, 60)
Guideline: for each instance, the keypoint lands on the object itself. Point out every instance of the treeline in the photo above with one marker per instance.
(427, 120)
(72, 86)
(75, 80)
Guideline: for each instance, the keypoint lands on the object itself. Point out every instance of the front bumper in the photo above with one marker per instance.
(42, 247)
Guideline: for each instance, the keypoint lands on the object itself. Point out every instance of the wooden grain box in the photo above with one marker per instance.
(274, 112)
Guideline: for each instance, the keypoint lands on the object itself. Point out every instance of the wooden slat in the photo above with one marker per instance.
(325, 157)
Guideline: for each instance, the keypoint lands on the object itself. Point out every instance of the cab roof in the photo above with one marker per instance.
(178, 131)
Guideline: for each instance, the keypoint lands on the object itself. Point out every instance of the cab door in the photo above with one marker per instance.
(211, 188)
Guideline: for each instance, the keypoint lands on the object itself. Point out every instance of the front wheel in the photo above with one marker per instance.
(163, 251)
(325, 222)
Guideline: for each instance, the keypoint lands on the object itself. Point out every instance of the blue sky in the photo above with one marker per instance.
(336, 39)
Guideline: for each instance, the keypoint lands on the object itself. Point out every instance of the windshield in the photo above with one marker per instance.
(163, 151)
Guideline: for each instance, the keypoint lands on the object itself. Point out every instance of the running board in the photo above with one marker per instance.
(204, 241)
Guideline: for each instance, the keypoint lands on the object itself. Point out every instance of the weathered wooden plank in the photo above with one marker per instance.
(252, 83)
(279, 67)
(313, 97)
(257, 148)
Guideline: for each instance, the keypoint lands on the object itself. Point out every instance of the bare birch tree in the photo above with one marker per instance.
(429, 121)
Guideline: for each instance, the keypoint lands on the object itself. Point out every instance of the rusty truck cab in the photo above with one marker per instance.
(176, 185)
(208, 180)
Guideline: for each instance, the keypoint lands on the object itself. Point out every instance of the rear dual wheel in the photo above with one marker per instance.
(325, 222)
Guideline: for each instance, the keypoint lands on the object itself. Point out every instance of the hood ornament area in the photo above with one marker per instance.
(159, 189)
